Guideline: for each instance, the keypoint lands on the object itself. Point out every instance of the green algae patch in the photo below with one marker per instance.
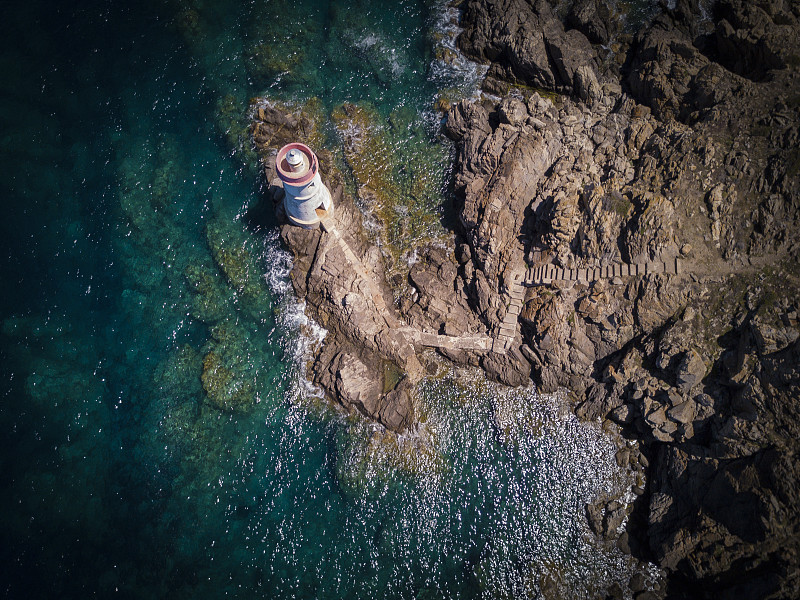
(233, 121)
(230, 374)
(233, 254)
(399, 172)
(209, 295)
(177, 377)
(392, 375)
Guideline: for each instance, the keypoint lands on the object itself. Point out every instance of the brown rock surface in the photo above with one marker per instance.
(689, 148)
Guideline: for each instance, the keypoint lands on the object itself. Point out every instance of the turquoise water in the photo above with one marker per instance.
(131, 263)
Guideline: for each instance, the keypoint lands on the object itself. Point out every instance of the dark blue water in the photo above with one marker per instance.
(159, 438)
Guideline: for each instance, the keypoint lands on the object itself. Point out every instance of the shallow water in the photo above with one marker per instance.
(131, 268)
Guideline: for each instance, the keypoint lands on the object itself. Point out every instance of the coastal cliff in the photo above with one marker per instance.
(681, 143)
(630, 204)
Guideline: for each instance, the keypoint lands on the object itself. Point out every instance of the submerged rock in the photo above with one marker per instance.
(222, 387)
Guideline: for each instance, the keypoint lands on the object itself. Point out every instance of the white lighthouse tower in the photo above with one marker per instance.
(306, 200)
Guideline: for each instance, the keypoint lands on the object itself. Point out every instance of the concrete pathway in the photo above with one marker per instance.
(414, 336)
(501, 342)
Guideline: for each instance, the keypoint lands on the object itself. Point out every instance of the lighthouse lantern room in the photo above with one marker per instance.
(307, 200)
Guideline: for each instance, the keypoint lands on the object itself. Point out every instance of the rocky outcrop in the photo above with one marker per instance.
(753, 38)
(684, 145)
(368, 361)
(341, 278)
(361, 346)
(526, 42)
(688, 150)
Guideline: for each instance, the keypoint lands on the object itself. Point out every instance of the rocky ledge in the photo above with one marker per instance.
(629, 208)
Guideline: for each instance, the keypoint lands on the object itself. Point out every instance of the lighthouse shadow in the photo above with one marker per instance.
(263, 215)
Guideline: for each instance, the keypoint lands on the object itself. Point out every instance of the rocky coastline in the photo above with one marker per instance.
(595, 160)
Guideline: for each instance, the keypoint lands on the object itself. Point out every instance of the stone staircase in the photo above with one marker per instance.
(515, 296)
(543, 274)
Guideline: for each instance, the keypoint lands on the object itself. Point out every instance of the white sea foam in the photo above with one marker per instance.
(381, 53)
(302, 335)
(367, 41)
(457, 71)
(560, 465)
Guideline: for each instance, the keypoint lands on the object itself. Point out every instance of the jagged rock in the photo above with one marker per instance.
(684, 412)
(750, 41)
(615, 515)
(357, 384)
(605, 517)
(594, 20)
(397, 412)
(585, 84)
(672, 76)
(623, 457)
(598, 402)
(702, 505)
(594, 515)
(528, 43)
(637, 583)
(771, 339)
(510, 368)
(691, 370)
(513, 111)
(623, 415)
(656, 417)
(623, 543)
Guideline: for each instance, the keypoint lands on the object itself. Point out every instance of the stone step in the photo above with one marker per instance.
(545, 274)
(508, 330)
(510, 322)
(672, 266)
(516, 291)
(655, 267)
(500, 344)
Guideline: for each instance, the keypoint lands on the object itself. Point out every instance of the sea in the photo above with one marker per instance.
(160, 437)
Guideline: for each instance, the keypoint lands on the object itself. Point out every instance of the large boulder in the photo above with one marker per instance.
(706, 514)
(525, 42)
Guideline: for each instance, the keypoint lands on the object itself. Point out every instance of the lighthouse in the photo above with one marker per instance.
(306, 200)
